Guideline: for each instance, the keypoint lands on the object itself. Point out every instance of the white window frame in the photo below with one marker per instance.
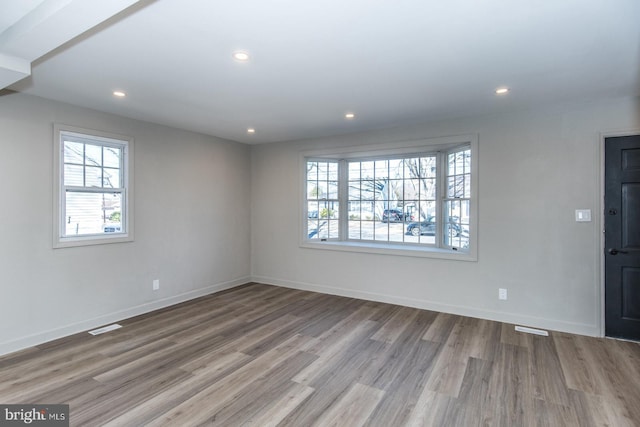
(429, 145)
(60, 240)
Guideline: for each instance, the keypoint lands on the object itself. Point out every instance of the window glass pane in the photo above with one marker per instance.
(313, 227)
(73, 175)
(354, 210)
(367, 170)
(366, 230)
(323, 171)
(411, 210)
(332, 173)
(368, 190)
(322, 190)
(312, 210)
(354, 171)
(354, 190)
(333, 190)
(396, 168)
(73, 152)
(381, 169)
(467, 186)
(460, 162)
(428, 167)
(93, 155)
(312, 171)
(111, 178)
(323, 230)
(457, 226)
(458, 213)
(112, 157)
(368, 210)
(465, 212)
(93, 176)
(428, 190)
(412, 188)
(112, 206)
(459, 186)
(459, 174)
(381, 231)
(455, 186)
(428, 239)
(328, 210)
(427, 210)
(354, 229)
(312, 190)
(395, 190)
(333, 229)
(387, 191)
(411, 168)
(396, 232)
(88, 213)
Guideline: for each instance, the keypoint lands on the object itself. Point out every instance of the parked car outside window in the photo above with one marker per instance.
(428, 227)
(395, 215)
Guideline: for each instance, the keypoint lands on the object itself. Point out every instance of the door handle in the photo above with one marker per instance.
(614, 251)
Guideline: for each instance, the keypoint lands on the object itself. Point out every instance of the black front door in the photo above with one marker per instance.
(622, 237)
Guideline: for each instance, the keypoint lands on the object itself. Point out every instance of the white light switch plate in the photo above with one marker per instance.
(583, 215)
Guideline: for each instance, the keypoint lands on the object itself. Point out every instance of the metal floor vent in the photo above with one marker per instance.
(532, 331)
(105, 329)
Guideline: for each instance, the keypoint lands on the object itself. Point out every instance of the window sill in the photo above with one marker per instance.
(71, 242)
(387, 249)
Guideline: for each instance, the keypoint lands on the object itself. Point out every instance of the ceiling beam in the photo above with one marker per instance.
(49, 25)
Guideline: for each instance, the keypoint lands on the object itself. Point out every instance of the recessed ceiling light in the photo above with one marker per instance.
(241, 55)
(251, 130)
(119, 93)
(349, 116)
(502, 90)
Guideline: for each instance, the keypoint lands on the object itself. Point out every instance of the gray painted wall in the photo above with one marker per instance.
(535, 169)
(192, 216)
(212, 214)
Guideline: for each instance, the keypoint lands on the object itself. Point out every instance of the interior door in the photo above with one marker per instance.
(622, 237)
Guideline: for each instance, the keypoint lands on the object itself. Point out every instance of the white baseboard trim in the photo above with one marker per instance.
(513, 318)
(42, 337)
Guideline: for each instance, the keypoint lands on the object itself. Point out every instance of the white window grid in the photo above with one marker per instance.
(431, 199)
(457, 200)
(92, 194)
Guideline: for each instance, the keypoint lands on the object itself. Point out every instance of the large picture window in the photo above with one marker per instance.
(93, 188)
(421, 201)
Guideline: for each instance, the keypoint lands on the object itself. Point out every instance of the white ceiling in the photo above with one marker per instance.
(13, 11)
(391, 62)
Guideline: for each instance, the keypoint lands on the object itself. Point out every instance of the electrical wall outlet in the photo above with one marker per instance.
(156, 284)
(502, 293)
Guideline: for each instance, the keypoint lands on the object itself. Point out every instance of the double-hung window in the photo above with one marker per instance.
(419, 199)
(93, 187)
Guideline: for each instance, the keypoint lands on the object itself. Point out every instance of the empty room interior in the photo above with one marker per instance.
(380, 213)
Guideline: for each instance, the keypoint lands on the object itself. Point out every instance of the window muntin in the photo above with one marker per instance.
(405, 200)
(92, 201)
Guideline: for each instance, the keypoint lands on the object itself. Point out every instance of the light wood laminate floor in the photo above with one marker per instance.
(260, 355)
